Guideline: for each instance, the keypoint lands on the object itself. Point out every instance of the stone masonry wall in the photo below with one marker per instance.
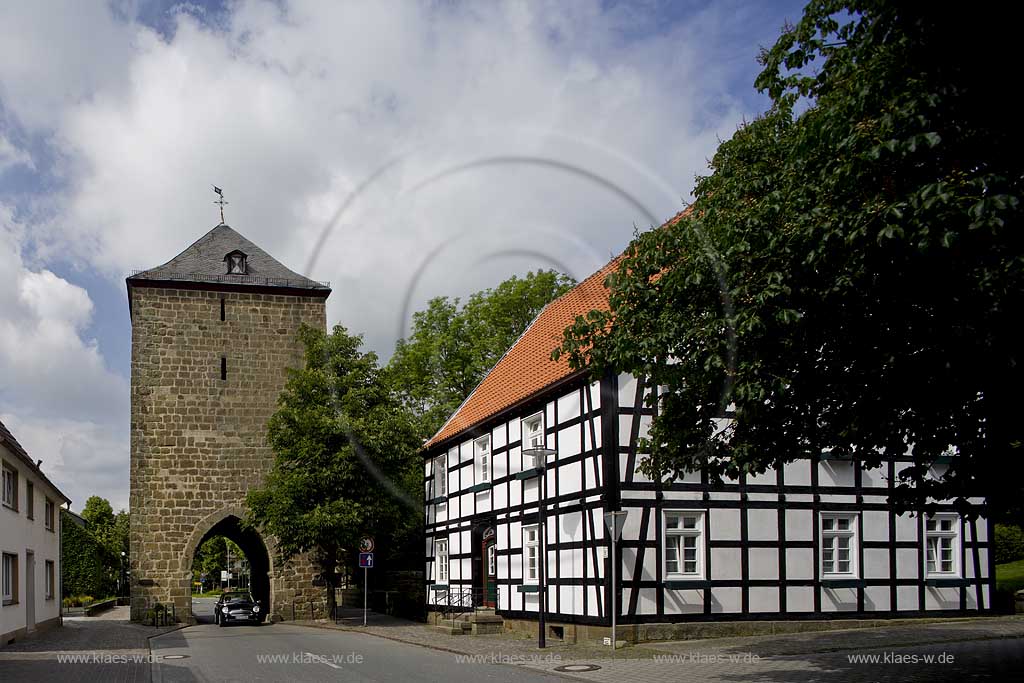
(198, 443)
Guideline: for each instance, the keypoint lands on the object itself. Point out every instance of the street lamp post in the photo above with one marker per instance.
(613, 522)
(540, 458)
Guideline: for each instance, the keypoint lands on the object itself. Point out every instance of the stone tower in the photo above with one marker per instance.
(213, 331)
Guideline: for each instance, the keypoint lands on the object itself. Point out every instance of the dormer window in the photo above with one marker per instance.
(236, 263)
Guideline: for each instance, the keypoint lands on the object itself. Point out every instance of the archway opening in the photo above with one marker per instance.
(248, 572)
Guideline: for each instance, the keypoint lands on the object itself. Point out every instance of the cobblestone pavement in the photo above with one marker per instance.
(980, 649)
(113, 649)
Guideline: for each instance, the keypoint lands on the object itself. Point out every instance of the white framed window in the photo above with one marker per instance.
(440, 476)
(533, 437)
(441, 562)
(30, 500)
(838, 545)
(48, 514)
(10, 578)
(942, 545)
(49, 580)
(492, 560)
(482, 459)
(9, 486)
(531, 555)
(684, 543)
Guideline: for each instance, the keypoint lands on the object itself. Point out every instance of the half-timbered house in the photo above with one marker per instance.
(813, 539)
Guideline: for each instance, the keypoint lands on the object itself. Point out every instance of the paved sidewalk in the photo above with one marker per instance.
(990, 648)
(109, 648)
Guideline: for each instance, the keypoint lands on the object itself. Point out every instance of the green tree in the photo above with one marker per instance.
(344, 448)
(451, 349)
(111, 534)
(850, 276)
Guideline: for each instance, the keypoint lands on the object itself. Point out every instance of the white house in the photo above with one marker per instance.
(29, 543)
(816, 538)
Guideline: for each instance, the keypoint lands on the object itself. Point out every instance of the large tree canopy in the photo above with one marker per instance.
(344, 454)
(451, 349)
(850, 276)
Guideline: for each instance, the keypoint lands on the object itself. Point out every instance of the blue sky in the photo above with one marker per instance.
(498, 137)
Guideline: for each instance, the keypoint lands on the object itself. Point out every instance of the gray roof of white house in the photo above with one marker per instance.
(204, 262)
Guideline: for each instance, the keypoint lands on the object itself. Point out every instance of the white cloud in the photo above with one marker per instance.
(519, 135)
(13, 156)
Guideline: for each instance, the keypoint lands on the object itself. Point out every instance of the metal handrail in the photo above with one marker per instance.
(462, 601)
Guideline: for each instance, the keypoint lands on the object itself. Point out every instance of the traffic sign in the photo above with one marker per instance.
(366, 560)
(366, 544)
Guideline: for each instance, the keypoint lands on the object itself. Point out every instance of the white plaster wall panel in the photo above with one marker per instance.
(570, 526)
(566, 596)
(941, 598)
(764, 599)
(906, 597)
(684, 601)
(906, 527)
(762, 525)
(498, 437)
(570, 564)
(725, 524)
(499, 466)
(725, 563)
(595, 395)
(875, 477)
(835, 473)
(799, 525)
(725, 600)
(594, 597)
(764, 563)
(799, 599)
(441, 512)
(515, 430)
(837, 499)
(515, 490)
(876, 563)
(768, 477)
(627, 391)
(724, 495)
(799, 563)
(549, 418)
(876, 598)
(569, 407)
(798, 473)
(686, 499)
(906, 563)
(763, 497)
(647, 602)
(876, 525)
(569, 442)
(483, 502)
(465, 505)
(838, 599)
(531, 488)
(500, 494)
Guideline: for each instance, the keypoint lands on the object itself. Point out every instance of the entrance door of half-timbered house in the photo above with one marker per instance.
(488, 552)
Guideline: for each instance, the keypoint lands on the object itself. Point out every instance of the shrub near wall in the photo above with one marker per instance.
(1009, 543)
(81, 564)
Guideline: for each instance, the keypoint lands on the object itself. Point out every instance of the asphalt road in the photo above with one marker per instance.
(280, 652)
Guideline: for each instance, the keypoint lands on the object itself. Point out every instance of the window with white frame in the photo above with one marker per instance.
(482, 458)
(440, 476)
(10, 578)
(441, 562)
(942, 545)
(9, 486)
(838, 545)
(531, 555)
(684, 543)
(533, 437)
(30, 500)
(50, 579)
(48, 514)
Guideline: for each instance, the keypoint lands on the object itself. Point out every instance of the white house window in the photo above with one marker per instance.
(482, 448)
(441, 563)
(30, 500)
(684, 542)
(49, 580)
(236, 261)
(440, 476)
(492, 561)
(533, 436)
(9, 486)
(942, 540)
(48, 514)
(531, 555)
(838, 545)
(10, 578)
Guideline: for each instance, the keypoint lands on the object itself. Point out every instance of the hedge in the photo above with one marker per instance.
(81, 560)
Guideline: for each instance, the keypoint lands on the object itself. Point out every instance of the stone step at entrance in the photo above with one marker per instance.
(481, 623)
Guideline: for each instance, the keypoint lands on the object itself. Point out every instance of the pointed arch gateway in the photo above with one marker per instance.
(228, 523)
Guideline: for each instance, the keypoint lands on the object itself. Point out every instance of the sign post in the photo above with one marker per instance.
(366, 562)
(613, 522)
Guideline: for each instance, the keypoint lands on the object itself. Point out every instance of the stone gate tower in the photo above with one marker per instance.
(213, 331)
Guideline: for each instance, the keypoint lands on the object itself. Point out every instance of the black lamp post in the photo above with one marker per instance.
(540, 458)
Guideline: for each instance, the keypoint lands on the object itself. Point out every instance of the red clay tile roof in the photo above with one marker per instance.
(527, 368)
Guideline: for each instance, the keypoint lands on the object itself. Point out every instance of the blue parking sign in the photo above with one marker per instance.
(366, 560)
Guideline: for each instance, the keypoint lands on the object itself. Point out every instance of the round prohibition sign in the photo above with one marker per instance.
(366, 545)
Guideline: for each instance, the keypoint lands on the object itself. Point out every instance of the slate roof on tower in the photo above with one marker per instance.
(204, 263)
(527, 368)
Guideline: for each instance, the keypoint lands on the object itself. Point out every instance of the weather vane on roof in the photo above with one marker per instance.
(221, 202)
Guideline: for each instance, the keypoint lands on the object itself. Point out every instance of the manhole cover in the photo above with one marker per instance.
(577, 668)
(175, 657)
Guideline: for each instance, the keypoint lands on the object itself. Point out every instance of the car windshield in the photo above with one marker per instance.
(232, 597)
